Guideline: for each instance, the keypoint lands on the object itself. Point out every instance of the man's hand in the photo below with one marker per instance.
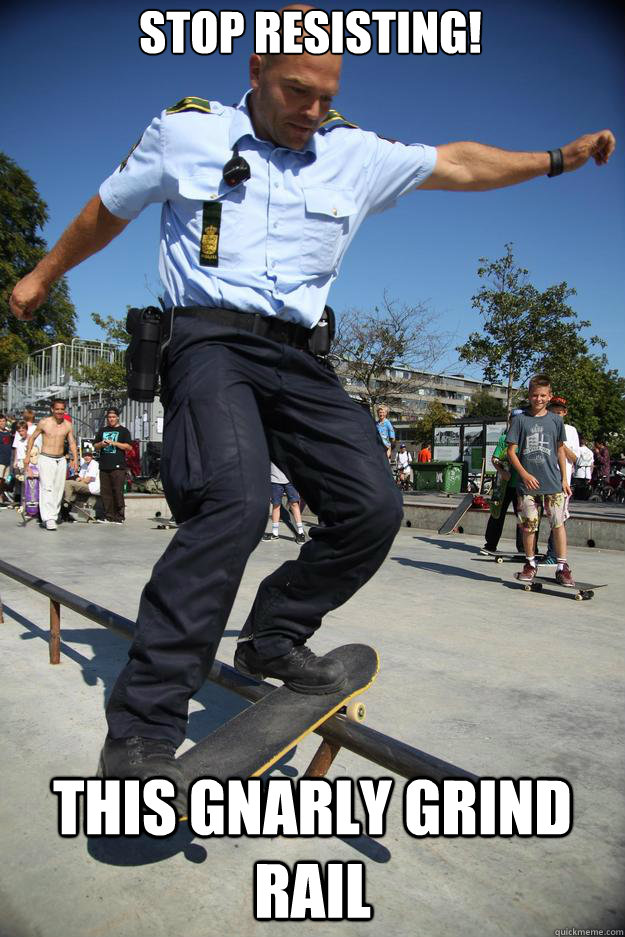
(530, 482)
(598, 145)
(28, 295)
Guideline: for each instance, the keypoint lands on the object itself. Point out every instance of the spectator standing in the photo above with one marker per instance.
(425, 454)
(404, 461)
(280, 486)
(558, 405)
(507, 481)
(582, 472)
(28, 417)
(539, 437)
(55, 432)
(602, 461)
(112, 443)
(6, 446)
(385, 429)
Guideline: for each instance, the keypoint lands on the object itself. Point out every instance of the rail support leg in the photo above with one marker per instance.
(1, 612)
(322, 760)
(55, 632)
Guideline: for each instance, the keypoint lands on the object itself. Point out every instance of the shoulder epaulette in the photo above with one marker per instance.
(190, 104)
(334, 119)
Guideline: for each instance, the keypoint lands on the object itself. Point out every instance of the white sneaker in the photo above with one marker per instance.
(50, 525)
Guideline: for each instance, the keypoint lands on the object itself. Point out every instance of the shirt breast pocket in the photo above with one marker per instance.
(325, 229)
(214, 214)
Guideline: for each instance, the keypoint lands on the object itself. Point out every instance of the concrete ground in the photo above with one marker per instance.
(474, 670)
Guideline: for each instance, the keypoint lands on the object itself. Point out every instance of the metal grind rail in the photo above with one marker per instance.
(337, 732)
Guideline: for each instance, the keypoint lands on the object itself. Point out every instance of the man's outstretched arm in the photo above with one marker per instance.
(88, 233)
(474, 167)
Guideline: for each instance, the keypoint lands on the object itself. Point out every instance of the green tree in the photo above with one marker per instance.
(394, 337)
(521, 324)
(595, 393)
(483, 406)
(435, 415)
(22, 214)
(108, 376)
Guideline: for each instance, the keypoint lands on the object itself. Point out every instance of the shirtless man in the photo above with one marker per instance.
(52, 465)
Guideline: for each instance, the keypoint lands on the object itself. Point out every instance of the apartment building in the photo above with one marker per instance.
(408, 393)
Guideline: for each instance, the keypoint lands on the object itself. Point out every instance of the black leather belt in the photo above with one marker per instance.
(277, 330)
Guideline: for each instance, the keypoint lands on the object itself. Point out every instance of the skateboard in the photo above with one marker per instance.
(250, 743)
(88, 516)
(502, 556)
(456, 515)
(163, 523)
(580, 591)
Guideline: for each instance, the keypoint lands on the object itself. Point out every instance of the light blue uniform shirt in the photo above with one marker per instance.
(284, 231)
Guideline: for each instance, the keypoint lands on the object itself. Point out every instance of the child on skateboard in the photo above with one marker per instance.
(536, 450)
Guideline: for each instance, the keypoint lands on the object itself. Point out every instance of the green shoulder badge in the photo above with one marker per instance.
(334, 119)
(190, 104)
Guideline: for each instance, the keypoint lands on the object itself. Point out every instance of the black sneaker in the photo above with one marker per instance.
(300, 669)
(270, 537)
(300, 538)
(143, 758)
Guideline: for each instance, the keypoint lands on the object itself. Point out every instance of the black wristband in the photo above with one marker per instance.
(557, 162)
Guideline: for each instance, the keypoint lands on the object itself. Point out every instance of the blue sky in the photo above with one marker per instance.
(78, 92)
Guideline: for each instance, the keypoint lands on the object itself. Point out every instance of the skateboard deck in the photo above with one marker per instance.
(580, 591)
(85, 513)
(502, 556)
(456, 515)
(250, 743)
(164, 523)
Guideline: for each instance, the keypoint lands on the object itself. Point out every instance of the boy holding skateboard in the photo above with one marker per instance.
(536, 450)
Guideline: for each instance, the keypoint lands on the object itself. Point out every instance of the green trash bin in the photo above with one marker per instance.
(428, 476)
(452, 477)
(438, 476)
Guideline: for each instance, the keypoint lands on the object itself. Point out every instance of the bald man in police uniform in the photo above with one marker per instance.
(247, 260)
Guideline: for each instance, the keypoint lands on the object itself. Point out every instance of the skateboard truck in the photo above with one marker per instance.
(321, 762)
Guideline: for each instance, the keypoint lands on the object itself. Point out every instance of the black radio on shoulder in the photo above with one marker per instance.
(144, 352)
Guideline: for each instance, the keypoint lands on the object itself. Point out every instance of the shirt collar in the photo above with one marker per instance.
(242, 126)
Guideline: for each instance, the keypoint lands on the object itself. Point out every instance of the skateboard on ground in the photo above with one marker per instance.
(503, 556)
(456, 515)
(250, 743)
(87, 515)
(580, 591)
(163, 523)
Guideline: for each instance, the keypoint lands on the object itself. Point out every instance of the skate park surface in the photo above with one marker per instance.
(474, 670)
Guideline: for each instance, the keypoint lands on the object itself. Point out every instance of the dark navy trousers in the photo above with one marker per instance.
(233, 401)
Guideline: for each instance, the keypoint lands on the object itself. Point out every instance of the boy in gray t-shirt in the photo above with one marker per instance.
(535, 449)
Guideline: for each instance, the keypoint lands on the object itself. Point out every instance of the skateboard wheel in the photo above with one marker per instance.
(499, 559)
(356, 711)
(579, 596)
